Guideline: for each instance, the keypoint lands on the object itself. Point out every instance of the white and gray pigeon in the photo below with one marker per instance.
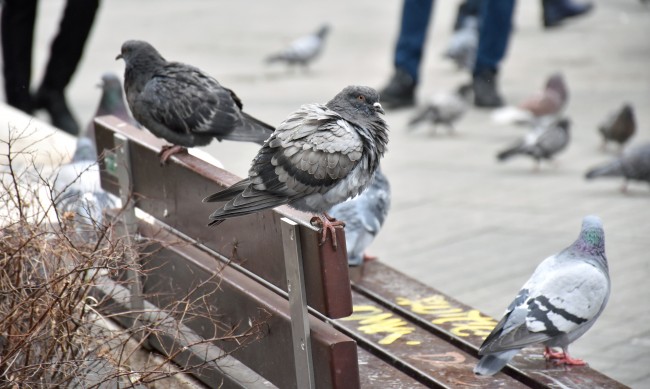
(111, 103)
(182, 104)
(303, 50)
(558, 304)
(77, 189)
(464, 44)
(321, 155)
(363, 217)
(619, 126)
(633, 164)
(444, 108)
(543, 142)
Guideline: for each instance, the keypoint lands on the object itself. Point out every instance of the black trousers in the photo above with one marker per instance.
(17, 27)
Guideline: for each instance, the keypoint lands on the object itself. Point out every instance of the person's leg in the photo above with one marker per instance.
(400, 90)
(494, 35)
(18, 18)
(65, 54)
(465, 9)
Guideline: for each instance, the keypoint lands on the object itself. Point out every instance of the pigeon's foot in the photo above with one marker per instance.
(550, 354)
(327, 224)
(562, 358)
(169, 150)
(369, 258)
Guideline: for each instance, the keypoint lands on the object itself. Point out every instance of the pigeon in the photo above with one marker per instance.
(78, 192)
(619, 126)
(633, 164)
(550, 103)
(319, 156)
(558, 304)
(363, 217)
(183, 104)
(464, 44)
(543, 142)
(444, 108)
(303, 50)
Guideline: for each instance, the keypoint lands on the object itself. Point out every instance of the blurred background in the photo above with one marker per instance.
(460, 221)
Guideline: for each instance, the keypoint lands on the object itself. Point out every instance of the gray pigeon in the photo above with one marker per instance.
(619, 126)
(182, 104)
(319, 156)
(444, 108)
(634, 164)
(543, 142)
(558, 304)
(464, 43)
(111, 103)
(303, 50)
(363, 217)
(78, 190)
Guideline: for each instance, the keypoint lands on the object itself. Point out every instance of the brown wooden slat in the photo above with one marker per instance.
(180, 268)
(376, 373)
(173, 194)
(429, 359)
(467, 327)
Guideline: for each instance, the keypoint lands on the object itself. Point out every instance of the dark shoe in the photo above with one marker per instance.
(55, 105)
(485, 90)
(400, 91)
(555, 11)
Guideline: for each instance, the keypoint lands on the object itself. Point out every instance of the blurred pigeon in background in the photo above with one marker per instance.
(544, 106)
(111, 103)
(464, 43)
(444, 108)
(321, 155)
(619, 126)
(78, 190)
(303, 50)
(558, 304)
(543, 142)
(182, 104)
(633, 164)
(363, 217)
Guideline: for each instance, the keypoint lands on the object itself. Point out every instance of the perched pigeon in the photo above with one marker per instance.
(363, 217)
(303, 50)
(549, 103)
(558, 304)
(464, 43)
(78, 190)
(543, 142)
(634, 164)
(444, 108)
(320, 156)
(182, 104)
(619, 126)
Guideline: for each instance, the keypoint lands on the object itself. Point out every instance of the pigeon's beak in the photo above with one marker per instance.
(378, 108)
(119, 56)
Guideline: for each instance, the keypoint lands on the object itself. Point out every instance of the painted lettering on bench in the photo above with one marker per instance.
(373, 320)
(448, 358)
(463, 322)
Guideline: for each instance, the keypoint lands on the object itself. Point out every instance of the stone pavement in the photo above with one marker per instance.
(460, 221)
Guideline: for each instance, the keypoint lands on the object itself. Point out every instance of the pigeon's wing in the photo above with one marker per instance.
(552, 140)
(563, 300)
(185, 100)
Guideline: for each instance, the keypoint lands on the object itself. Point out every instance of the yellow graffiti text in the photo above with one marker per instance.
(373, 320)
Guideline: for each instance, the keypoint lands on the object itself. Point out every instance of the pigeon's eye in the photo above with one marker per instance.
(361, 98)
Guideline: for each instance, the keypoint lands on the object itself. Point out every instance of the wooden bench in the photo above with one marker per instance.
(384, 330)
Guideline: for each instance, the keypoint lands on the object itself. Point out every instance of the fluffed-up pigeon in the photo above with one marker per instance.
(543, 142)
(303, 50)
(558, 304)
(319, 156)
(619, 126)
(633, 164)
(363, 217)
(547, 105)
(444, 108)
(111, 103)
(183, 104)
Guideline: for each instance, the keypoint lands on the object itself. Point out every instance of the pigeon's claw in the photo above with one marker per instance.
(562, 358)
(327, 224)
(169, 150)
(550, 354)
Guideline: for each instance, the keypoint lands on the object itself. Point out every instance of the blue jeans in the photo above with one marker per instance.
(494, 33)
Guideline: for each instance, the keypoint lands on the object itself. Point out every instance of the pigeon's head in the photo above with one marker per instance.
(135, 51)
(357, 100)
(110, 82)
(323, 30)
(592, 235)
(564, 123)
(556, 83)
(627, 113)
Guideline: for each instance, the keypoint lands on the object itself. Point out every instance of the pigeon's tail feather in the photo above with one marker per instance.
(493, 363)
(252, 130)
(422, 116)
(227, 194)
(505, 154)
(609, 170)
(243, 205)
(511, 115)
